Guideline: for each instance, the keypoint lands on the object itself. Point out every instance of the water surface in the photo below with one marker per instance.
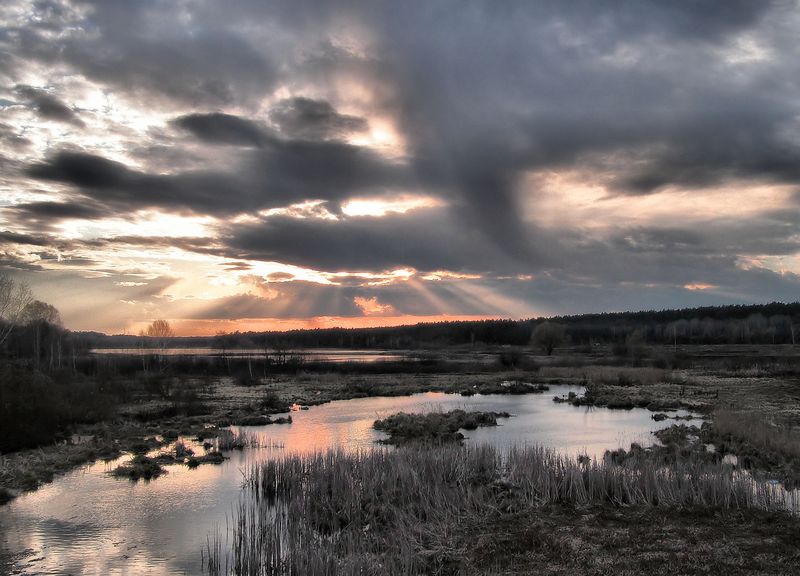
(306, 354)
(87, 522)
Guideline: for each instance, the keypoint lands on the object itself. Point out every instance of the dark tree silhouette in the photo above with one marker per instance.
(548, 335)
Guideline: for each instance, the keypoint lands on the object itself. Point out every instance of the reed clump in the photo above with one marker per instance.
(212, 457)
(141, 467)
(228, 439)
(758, 444)
(419, 510)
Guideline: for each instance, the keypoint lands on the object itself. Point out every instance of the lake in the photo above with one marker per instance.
(87, 522)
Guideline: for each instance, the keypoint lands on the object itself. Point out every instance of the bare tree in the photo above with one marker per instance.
(38, 311)
(14, 298)
(40, 316)
(160, 331)
(547, 336)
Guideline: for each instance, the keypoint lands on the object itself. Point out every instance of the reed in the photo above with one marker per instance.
(758, 444)
(228, 439)
(413, 511)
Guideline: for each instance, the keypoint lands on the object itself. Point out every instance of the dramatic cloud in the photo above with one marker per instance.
(313, 119)
(218, 128)
(355, 160)
(48, 106)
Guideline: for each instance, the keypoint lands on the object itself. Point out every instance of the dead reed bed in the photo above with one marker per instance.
(412, 510)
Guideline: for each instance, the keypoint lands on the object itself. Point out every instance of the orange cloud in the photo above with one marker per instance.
(371, 306)
(698, 286)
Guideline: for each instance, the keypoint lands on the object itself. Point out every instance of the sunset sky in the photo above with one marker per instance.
(248, 165)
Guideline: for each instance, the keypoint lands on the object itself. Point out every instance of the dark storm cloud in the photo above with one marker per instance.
(57, 211)
(8, 237)
(313, 119)
(48, 106)
(430, 240)
(501, 90)
(284, 172)
(219, 128)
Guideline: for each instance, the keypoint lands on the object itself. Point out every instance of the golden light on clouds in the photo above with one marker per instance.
(699, 286)
(302, 210)
(143, 224)
(446, 274)
(584, 199)
(375, 278)
(371, 306)
(389, 205)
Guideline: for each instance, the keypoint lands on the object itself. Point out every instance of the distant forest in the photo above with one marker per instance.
(774, 323)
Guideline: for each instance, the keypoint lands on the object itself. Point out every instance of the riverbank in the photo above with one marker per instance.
(160, 407)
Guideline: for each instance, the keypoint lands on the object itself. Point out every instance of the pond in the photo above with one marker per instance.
(87, 522)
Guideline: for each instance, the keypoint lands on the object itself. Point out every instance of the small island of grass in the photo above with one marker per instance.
(140, 467)
(434, 427)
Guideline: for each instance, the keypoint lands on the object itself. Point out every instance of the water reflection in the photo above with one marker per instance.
(87, 522)
(308, 355)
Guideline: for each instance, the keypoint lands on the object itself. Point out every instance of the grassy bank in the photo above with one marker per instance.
(473, 510)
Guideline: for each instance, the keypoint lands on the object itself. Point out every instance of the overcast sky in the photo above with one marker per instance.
(265, 165)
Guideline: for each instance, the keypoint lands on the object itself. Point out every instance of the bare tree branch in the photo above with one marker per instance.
(15, 296)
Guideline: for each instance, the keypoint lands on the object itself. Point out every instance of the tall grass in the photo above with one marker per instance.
(608, 375)
(236, 440)
(756, 431)
(411, 511)
(759, 444)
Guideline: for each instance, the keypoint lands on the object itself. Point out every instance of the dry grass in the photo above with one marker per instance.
(28, 469)
(611, 375)
(406, 511)
(759, 444)
(236, 440)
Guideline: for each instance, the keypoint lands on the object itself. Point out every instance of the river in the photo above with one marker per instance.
(88, 522)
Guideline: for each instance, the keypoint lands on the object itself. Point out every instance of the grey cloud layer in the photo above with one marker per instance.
(646, 94)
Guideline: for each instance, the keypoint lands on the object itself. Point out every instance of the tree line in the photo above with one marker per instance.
(33, 330)
(774, 323)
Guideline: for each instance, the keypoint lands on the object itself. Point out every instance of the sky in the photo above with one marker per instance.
(256, 164)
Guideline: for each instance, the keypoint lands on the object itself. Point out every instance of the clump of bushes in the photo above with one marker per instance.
(272, 403)
(36, 409)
